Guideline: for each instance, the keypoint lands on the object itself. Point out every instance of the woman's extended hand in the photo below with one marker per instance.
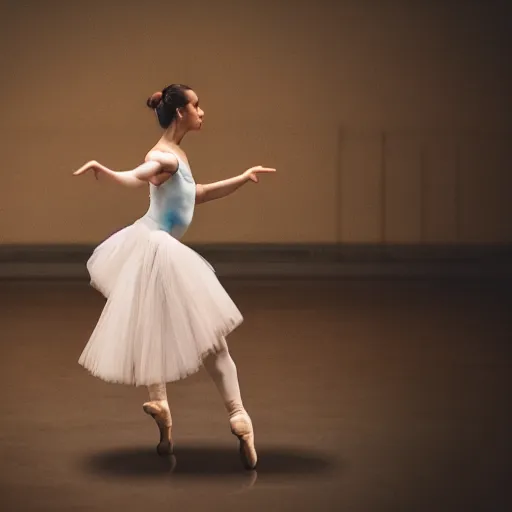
(90, 166)
(253, 172)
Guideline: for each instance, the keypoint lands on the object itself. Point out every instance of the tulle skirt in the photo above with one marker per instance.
(165, 309)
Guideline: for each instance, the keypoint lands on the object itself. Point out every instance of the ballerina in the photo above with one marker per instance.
(166, 314)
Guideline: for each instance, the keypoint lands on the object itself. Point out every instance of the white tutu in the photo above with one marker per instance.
(165, 310)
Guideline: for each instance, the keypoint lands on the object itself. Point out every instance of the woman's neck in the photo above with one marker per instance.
(174, 134)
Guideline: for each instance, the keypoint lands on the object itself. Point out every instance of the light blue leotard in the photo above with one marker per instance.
(171, 206)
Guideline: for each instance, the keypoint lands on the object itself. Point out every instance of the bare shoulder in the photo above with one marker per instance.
(166, 159)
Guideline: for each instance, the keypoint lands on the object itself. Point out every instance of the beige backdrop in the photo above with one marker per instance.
(388, 121)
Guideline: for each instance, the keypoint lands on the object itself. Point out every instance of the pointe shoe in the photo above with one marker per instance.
(241, 427)
(162, 417)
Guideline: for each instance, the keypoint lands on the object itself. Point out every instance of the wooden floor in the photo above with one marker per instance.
(365, 395)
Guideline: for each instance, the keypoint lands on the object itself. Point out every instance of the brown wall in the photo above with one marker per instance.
(388, 121)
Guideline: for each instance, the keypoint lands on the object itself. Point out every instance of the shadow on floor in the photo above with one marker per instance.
(207, 461)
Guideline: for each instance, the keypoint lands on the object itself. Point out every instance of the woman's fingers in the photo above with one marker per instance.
(260, 168)
(85, 167)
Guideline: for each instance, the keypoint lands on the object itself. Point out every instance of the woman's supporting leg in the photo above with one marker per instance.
(158, 408)
(222, 370)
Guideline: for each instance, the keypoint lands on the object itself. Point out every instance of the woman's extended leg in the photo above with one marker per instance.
(222, 370)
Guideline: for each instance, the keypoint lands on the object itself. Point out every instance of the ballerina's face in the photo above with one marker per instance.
(192, 112)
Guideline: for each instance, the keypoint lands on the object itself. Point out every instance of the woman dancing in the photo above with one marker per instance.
(166, 313)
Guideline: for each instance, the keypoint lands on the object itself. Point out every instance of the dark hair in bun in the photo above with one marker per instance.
(166, 102)
(154, 100)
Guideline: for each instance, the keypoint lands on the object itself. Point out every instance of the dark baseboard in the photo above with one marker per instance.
(286, 261)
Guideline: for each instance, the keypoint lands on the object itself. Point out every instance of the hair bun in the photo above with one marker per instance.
(154, 100)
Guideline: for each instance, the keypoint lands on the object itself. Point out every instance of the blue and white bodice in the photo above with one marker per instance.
(172, 203)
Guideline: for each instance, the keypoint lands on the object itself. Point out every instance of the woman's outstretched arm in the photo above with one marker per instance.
(219, 189)
(157, 168)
